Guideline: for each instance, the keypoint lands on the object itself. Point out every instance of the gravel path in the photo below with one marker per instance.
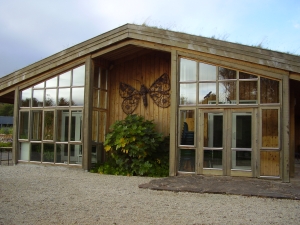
(33, 194)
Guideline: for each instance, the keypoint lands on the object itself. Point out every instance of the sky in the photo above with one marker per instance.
(32, 30)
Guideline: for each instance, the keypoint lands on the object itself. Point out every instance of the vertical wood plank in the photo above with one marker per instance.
(15, 149)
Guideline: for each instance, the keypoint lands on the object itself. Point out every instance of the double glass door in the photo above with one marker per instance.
(221, 144)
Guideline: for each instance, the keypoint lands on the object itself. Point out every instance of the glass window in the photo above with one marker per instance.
(269, 91)
(24, 151)
(227, 92)
(35, 154)
(103, 99)
(24, 125)
(207, 72)
(36, 125)
(103, 79)
(213, 130)
(62, 128)
(48, 153)
(40, 85)
(95, 98)
(187, 127)
(226, 74)
(212, 159)
(26, 98)
(51, 82)
(48, 125)
(75, 154)
(188, 70)
(77, 96)
(248, 92)
(61, 153)
(187, 160)
(64, 79)
(76, 120)
(50, 97)
(207, 93)
(246, 76)
(188, 93)
(38, 98)
(270, 135)
(63, 96)
(79, 76)
(241, 160)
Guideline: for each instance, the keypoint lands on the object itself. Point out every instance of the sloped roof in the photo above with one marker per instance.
(159, 37)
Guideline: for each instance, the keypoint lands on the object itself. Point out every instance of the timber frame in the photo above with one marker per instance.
(139, 52)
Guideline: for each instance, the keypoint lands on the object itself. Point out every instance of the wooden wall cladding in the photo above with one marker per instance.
(269, 163)
(146, 69)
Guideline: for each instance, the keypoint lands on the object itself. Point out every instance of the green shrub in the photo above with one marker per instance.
(5, 144)
(133, 147)
(6, 130)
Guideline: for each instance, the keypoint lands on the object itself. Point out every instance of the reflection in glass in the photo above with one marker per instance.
(48, 125)
(248, 92)
(24, 121)
(40, 85)
(241, 130)
(61, 153)
(50, 98)
(270, 134)
(63, 96)
(103, 79)
(48, 153)
(79, 76)
(246, 76)
(225, 74)
(188, 94)
(188, 70)
(187, 127)
(207, 72)
(36, 126)
(75, 154)
(64, 79)
(62, 128)
(207, 93)
(37, 98)
(213, 130)
(26, 98)
(24, 151)
(241, 160)
(212, 159)
(187, 160)
(77, 96)
(35, 154)
(269, 91)
(52, 82)
(76, 120)
(227, 92)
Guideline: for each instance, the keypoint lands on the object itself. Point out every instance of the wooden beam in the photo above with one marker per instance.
(15, 150)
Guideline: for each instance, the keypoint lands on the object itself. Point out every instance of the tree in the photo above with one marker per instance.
(6, 109)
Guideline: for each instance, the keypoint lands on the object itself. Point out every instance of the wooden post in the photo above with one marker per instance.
(87, 114)
(173, 115)
(285, 171)
(15, 150)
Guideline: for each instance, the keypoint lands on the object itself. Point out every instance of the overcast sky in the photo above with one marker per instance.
(31, 30)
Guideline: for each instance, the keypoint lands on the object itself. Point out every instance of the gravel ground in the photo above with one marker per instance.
(35, 194)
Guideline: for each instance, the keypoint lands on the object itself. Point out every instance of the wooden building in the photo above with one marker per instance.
(233, 109)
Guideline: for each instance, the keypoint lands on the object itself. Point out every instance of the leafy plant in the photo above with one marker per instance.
(133, 147)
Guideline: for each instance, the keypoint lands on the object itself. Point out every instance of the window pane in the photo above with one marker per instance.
(24, 121)
(269, 163)
(103, 99)
(26, 98)
(227, 93)
(40, 85)
(79, 76)
(213, 130)
(64, 79)
(207, 72)
(37, 98)
(269, 91)
(102, 126)
(225, 74)
(48, 153)
(187, 160)
(241, 130)
(270, 125)
(35, 152)
(77, 96)
(76, 120)
(188, 70)
(75, 154)
(52, 82)
(63, 96)
(50, 98)
(48, 125)
(61, 153)
(241, 160)
(246, 76)
(95, 126)
(103, 79)
(188, 94)
(187, 127)
(24, 151)
(212, 159)
(207, 93)
(96, 93)
(36, 126)
(248, 92)
(62, 132)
